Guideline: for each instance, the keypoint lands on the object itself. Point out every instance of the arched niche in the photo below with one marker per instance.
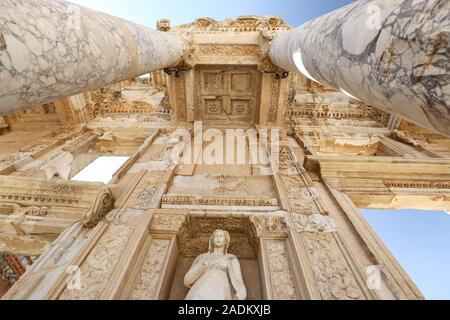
(193, 240)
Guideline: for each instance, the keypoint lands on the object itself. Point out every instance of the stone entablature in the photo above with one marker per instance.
(388, 182)
(37, 211)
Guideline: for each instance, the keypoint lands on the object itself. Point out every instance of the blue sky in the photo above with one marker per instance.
(419, 240)
(147, 12)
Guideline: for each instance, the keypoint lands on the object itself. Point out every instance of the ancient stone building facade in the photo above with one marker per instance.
(294, 220)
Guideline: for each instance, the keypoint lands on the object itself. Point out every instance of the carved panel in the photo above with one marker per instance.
(273, 110)
(148, 193)
(280, 273)
(332, 272)
(310, 223)
(183, 201)
(167, 222)
(240, 109)
(228, 50)
(301, 195)
(147, 283)
(242, 83)
(100, 264)
(213, 109)
(226, 94)
(180, 87)
(212, 82)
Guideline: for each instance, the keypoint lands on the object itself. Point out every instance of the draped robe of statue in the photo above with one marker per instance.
(215, 276)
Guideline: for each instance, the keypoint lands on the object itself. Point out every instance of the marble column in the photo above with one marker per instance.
(53, 49)
(390, 54)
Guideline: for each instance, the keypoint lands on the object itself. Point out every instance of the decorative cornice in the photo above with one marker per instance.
(241, 24)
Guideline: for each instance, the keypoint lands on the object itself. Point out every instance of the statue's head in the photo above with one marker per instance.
(219, 239)
(163, 25)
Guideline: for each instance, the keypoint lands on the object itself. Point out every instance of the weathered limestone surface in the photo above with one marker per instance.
(389, 54)
(54, 49)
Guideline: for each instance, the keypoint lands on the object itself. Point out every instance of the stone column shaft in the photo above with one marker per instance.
(393, 55)
(53, 49)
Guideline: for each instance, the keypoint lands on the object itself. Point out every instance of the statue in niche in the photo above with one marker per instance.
(216, 275)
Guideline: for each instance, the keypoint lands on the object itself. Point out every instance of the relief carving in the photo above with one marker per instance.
(228, 50)
(302, 196)
(34, 211)
(180, 86)
(99, 265)
(402, 184)
(273, 110)
(282, 281)
(145, 198)
(333, 274)
(147, 285)
(182, 200)
(212, 82)
(310, 223)
(100, 208)
(167, 222)
(148, 193)
(265, 223)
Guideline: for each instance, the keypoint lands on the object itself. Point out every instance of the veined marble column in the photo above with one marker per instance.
(392, 54)
(53, 49)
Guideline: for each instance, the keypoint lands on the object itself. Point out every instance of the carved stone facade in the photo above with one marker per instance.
(293, 222)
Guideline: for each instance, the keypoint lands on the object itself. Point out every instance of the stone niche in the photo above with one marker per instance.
(193, 240)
